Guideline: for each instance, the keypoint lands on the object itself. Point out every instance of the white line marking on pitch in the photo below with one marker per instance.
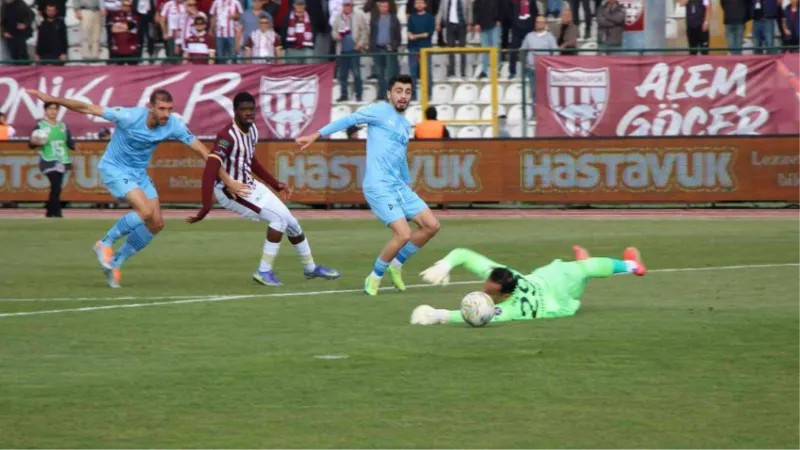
(222, 298)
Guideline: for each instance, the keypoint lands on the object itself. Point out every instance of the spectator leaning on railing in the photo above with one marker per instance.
(538, 41)
(299, 41)
(566, 33)
(187, 28)
(199, 47)
(170, 19)
(351, 33)
(224, 15)
(248, 23)
(610, 25)
(51, 42)
(17, 26)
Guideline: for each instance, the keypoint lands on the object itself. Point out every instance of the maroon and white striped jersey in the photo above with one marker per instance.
(227, 14)
(236, 149)
(263, 44)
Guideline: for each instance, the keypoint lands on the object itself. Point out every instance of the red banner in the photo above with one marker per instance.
(291, 99)
(584, 96)
(634, 14)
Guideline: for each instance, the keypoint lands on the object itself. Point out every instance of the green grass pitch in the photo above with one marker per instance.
(685, 359)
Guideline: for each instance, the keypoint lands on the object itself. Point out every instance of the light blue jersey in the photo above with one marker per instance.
(123, 166)
(387, 145)
(386, 181)
(133, 143)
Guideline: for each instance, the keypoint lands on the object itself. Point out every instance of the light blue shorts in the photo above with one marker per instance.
(390, 205)
(119, 182)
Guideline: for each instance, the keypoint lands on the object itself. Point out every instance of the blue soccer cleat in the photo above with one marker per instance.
(267, 278)
(323, 272)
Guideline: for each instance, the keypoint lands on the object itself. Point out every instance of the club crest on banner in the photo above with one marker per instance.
(288, 104)
(634, 9)
(578, 98)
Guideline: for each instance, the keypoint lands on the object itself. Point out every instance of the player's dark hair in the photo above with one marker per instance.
(431, 113)
(402, 79)
(243, 97)
(160, 95)
(49, 104)
(505, 278)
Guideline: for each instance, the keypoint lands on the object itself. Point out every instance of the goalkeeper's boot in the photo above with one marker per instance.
(632, 254)
(267, 278)
(397, 278)
(323, 272)
(104, 254)
(371, 285)
(580, 253)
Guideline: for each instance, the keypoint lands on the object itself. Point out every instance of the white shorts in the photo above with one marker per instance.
(261, 205)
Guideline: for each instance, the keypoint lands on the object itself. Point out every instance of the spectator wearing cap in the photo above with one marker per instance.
(431, 127)
(88, 12)
(16, 22)
(199, 47)
(264, 44)
(51, 42)
(299, 35)
(351, 33)
(224, 15)
(125, 31)
(385, 38)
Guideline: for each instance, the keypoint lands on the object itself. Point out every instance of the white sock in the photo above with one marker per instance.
(631, 266)
(269, 253)
(376, 276)
(304, 252)
(396, 264)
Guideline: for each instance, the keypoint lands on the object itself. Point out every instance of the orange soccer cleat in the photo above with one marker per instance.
(632, 254)
(580, 253)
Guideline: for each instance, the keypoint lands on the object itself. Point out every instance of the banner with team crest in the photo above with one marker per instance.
(593, 96)
(291, 99)
(634, 14)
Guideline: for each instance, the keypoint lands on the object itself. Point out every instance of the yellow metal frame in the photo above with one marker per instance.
(423, 64)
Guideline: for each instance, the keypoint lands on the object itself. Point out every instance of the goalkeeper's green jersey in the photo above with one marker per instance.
(547, 292)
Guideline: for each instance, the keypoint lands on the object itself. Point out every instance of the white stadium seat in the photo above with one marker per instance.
(414, 114)
(74, 36)
(515, 113)
(513, 94)
(466, 94)
(442, 94)
(469, 132)
(445, 112)
(74, 54)
(439, 71)
(468, 112)
(487, 112)
(337, 91)
(339, 111)
(370, 93)
(488, 132)
(515, 131)
(485, 97)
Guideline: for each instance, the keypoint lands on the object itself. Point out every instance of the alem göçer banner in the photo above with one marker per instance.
(290, 99)
(592, 96)
(631, 170)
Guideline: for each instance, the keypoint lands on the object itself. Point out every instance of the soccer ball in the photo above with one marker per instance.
(477, 308)
(41, 136)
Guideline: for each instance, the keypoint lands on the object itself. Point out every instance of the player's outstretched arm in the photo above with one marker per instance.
(72, 105)
(370, 115)
(476, 263)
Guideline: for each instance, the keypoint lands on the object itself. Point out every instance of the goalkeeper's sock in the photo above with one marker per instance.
(124, 226)
(379, 269)
(406, 252)
(137, 240)
(268, 254)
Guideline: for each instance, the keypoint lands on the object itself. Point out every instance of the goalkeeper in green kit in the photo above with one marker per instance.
(548, 292)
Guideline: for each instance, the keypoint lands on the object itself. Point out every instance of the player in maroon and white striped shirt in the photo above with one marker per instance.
(224, 18)
(234, 149)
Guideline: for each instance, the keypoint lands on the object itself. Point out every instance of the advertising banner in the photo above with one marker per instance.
(641, 170)
(594, 96)
(291, 99)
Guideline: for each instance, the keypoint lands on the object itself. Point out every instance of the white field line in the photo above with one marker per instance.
(222, 298)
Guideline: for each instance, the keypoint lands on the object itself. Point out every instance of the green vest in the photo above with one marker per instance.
(56, 147)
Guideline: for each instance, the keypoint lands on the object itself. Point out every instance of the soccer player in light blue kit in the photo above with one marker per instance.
(386, 181)
(123, 169)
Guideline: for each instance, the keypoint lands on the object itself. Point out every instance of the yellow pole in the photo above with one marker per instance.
(495, 100)
(423, 74)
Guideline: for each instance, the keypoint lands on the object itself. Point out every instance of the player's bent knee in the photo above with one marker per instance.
(156, 225)
(433, 227)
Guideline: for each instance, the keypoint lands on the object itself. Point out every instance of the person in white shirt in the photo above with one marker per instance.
(224, 17)
(263, 43)
(171, 17)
